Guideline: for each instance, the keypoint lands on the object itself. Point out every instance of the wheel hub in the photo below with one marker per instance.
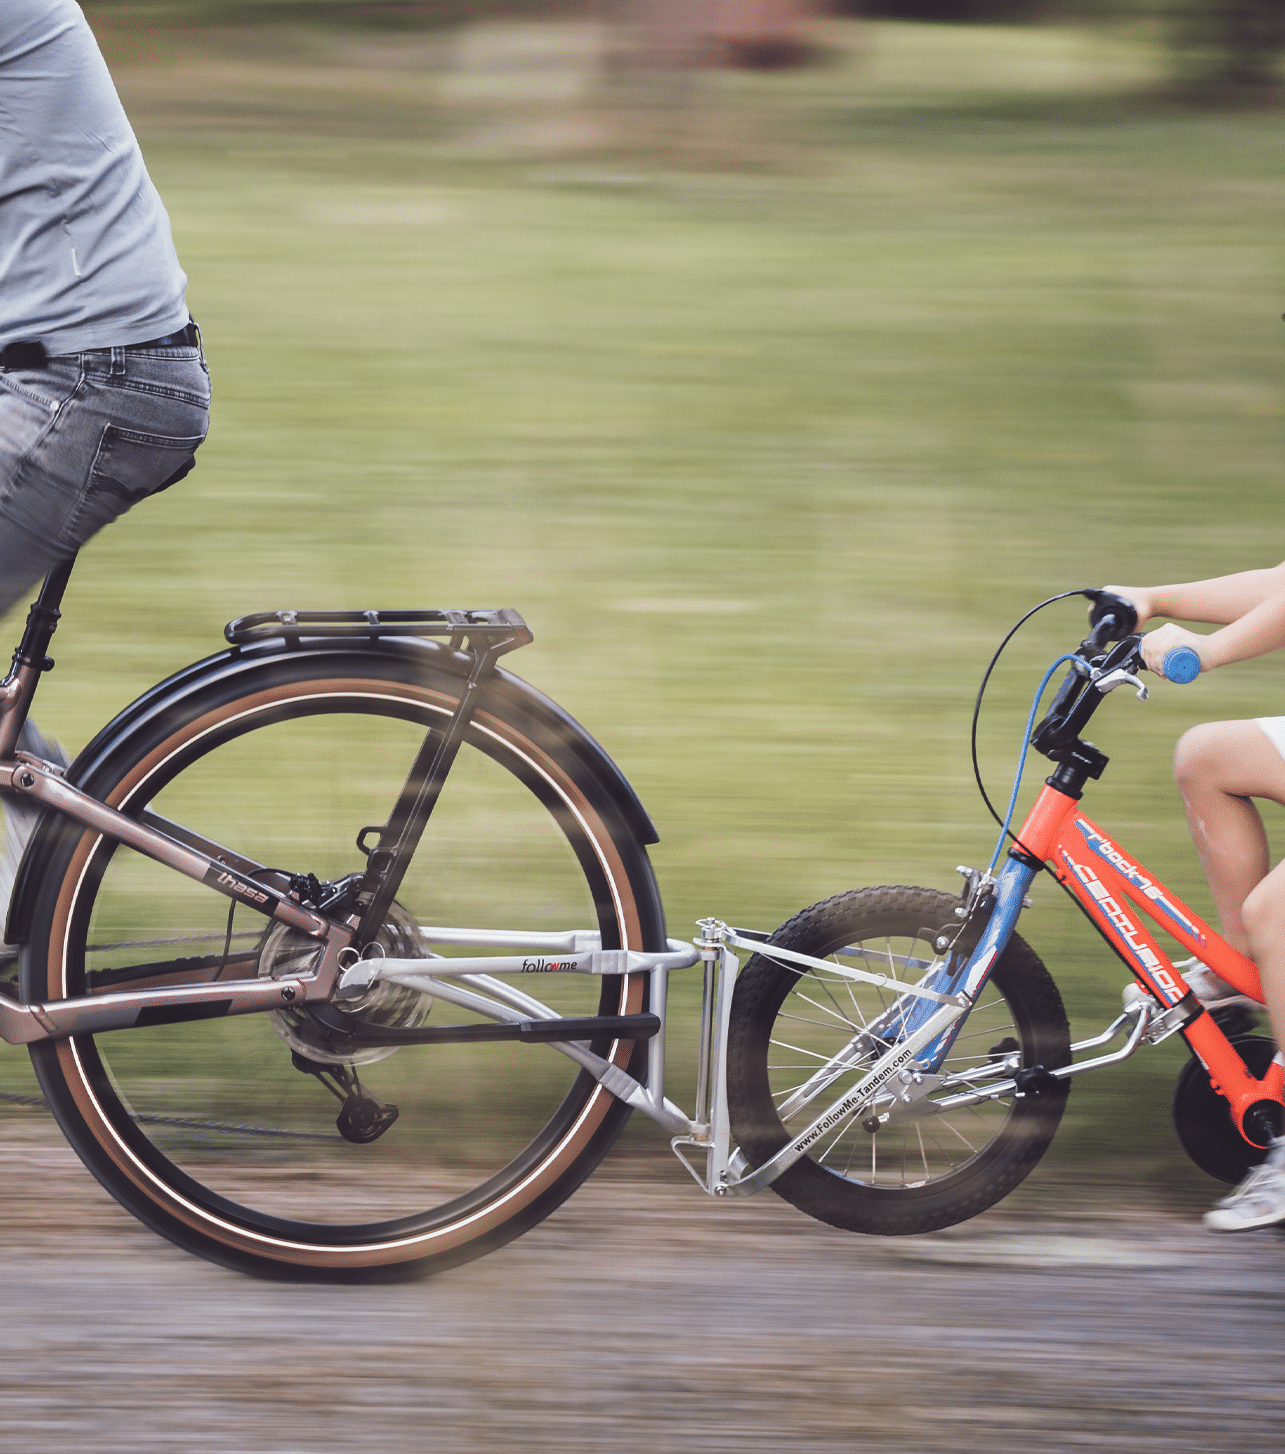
(287, 952)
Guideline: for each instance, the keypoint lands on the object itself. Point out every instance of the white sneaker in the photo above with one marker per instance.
(1259, 1201)
(1209, 989)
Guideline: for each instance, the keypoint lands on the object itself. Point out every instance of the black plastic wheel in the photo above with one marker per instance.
(1202, 1117)
(800, 1037)
(216, 1133)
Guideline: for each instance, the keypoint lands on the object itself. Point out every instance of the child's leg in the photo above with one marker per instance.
(1263, 914)
(1220, 766)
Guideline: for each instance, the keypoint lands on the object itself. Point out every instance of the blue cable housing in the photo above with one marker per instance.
(1021, 761)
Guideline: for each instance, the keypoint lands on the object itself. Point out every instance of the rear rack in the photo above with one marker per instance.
(500, 630)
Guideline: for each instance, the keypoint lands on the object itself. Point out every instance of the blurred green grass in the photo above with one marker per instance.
(770, 430)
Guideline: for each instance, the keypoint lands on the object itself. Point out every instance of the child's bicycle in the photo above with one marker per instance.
(446, 987)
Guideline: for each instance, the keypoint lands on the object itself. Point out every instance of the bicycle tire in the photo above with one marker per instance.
(206, 1131)
(910, 1175)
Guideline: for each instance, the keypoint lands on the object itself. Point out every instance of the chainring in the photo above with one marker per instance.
(286, 951)
(1202, 1117)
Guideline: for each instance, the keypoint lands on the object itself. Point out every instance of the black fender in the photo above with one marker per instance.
(97, 765)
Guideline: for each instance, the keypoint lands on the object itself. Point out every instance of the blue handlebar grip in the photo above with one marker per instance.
(1181, 665)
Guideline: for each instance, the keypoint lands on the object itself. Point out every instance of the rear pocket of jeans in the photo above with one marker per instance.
(128, 466)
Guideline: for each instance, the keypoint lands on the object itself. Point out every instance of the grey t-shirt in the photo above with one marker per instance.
(86, 255)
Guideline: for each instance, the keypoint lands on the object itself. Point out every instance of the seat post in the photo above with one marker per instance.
(31, 657)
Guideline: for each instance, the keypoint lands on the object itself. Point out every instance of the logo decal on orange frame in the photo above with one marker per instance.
(1127, 931)
(1100, 844)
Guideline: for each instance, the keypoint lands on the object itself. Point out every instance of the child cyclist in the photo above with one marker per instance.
(1220, 768)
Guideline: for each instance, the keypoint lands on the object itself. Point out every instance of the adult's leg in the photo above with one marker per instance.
(82, 439)
(37, 406)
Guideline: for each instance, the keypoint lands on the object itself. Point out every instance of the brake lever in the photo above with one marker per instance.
(1120, 665)
(1108, 681)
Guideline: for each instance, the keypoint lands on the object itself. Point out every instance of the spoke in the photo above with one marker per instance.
(837, 1011)
(831, 1148)
(951, 1127)
(973, 1083)
(988, 1031)
(996, 1003)
(892, 968)
(789, 1065)
(800, 1050)
(805, 1092)
(856, 1146)
(923, 1155)
(824, 1024)
(850, 986)
(845, 1061)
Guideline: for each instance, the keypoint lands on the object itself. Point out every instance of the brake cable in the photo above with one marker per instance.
(977, 709)
(1021, 758)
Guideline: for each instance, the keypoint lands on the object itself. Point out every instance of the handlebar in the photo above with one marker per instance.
(1181, 665)
(1110, 655)
(1113, 618)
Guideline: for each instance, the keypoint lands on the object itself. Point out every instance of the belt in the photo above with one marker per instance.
(187, 337)
(31, 355)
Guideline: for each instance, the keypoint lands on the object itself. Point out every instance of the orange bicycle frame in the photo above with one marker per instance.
(1110, 885)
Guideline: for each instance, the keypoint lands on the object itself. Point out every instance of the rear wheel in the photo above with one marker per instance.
(217, 1133)
(800, 1037)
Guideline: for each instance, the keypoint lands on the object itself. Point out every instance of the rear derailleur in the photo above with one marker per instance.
(363, 1117)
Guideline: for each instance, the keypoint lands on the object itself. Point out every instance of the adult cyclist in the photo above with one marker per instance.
(104, 392)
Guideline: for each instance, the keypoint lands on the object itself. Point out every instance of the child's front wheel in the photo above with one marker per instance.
(800, 1037)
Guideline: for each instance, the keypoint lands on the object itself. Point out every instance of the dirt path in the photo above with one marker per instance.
(643, 1318)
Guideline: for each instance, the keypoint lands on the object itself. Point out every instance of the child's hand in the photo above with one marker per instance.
(1138, 597)
(1158, 643)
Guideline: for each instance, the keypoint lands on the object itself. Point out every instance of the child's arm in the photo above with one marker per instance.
(1219, 601)
(1249, 606)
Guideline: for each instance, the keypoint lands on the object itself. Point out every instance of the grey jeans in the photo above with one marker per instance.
(84, 438)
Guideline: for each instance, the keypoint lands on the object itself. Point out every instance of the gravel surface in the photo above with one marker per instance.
(645, 1317)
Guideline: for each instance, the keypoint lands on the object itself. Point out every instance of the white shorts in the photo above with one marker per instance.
(1274, 727)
